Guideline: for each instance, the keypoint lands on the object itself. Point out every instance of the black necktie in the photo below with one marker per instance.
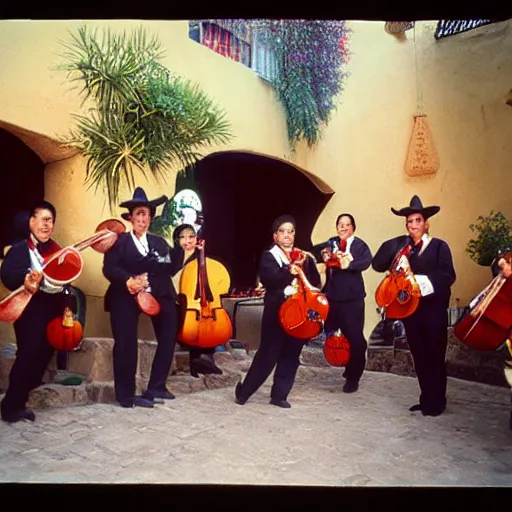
(416, 248)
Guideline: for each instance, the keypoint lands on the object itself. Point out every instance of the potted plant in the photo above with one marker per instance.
(144, 117)
(494, 235)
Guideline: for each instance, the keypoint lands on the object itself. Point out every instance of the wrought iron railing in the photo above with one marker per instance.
(446, 28)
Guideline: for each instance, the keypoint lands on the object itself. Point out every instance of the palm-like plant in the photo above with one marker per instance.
(145, 117)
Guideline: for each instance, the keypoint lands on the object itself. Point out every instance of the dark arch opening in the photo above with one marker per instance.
(242, 194)
(22, 175)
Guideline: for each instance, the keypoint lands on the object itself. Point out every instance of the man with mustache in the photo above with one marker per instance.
(430, 261)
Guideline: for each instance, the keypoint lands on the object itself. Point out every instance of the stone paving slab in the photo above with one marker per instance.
(327, 438)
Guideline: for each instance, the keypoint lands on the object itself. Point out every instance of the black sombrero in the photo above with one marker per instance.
(141, 199)
(416, 206)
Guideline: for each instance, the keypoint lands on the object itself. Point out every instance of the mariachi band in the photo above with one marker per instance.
(305, 294)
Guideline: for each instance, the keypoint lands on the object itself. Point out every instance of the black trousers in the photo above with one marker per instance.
(427, 335)
(33, 351)
(349, 317)
(124, 318)
(277, 350)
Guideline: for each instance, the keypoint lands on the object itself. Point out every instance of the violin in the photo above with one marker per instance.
(62, 266)
(303, 313)
(399, 293)
(204, 322)
(488, 323)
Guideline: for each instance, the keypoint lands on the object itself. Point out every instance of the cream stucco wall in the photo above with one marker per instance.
(463, 80)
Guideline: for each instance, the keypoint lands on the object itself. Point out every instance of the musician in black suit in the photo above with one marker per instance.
(140, 261)
(346, 292)
(22, 266)
(430, 261)
(277, 349)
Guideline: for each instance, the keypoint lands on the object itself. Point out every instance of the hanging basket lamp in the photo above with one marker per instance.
(398, 27)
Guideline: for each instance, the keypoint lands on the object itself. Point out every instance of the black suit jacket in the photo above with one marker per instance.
(435, 262)
(15, 266)
(348, 284)
(123, 261)
(275, 278)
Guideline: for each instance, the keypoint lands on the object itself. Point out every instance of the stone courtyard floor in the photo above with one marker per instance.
(327, 438)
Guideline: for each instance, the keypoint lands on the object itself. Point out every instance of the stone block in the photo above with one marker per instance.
(102, 392)
(466, 363)
(57, 395)
(147, 351)
(93, 360)
(399, 362)
(314, 357)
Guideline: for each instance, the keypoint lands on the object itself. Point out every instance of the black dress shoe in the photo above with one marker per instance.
(238, 394)
(25, 414)
(415, 407)
(350, 387)
(433, 412)
(204, 367)
(166, 395)
(140, 401)
(280, 403)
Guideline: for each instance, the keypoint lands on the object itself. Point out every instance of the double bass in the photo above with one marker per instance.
(62, 267)
(204, 322)
(488, 323)
(399, 293)
(303, 314)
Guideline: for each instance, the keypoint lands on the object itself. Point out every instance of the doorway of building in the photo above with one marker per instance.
(242, 194)
(22, 175)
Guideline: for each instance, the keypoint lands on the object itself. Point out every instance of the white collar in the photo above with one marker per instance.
(141, 243)
(279, 255)
(426, 238)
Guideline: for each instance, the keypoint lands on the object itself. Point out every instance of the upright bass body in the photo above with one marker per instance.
(204, 322)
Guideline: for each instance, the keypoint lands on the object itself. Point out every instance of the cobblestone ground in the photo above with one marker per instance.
(327, 438)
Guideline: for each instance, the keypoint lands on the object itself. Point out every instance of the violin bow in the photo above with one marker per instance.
(492, 289)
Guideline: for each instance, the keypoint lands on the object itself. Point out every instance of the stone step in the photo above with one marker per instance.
(59, 395)
(92, 361)
(462, 362)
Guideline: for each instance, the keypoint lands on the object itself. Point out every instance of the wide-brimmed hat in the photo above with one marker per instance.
(141, 199)
(416, 206)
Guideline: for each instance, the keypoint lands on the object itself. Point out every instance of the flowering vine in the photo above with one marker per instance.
(311, 57)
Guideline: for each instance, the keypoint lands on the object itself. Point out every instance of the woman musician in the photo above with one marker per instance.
(185, 250)
(277, 349)
(347, 257)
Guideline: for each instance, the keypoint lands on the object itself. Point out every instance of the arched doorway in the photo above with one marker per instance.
(25, 155)
(22, 174)
(242, 194)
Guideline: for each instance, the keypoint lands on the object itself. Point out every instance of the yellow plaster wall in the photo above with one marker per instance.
(463, 80)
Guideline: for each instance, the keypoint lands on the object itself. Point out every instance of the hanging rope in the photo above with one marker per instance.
(419, 90)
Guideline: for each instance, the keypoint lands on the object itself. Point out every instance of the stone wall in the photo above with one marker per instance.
(462, 362)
